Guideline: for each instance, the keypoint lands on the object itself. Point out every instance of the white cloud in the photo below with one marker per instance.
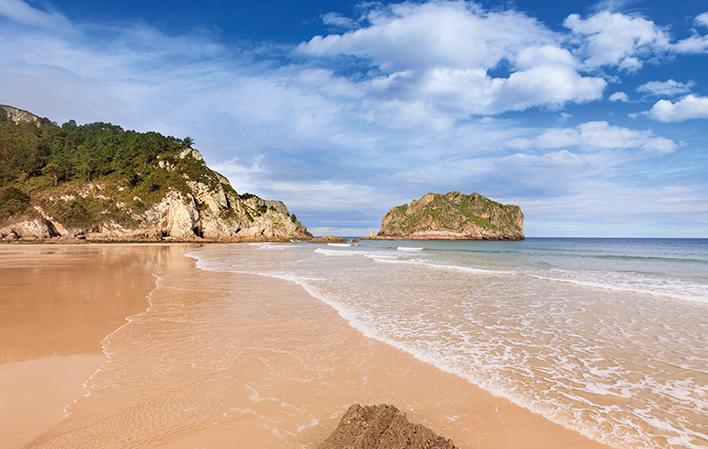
(564, 117)
(687, 108)
(597, 135)
(657, 210)
(437, 57)
(612, 38)
(668, 88)
(619, 97)
(437, 34)
(616, 39)
(308, 194)
(693, 44)
(336, 20)
(702, 19)
(20, 12)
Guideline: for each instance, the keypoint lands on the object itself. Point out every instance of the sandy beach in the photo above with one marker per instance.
(58, 304)
(215, 360)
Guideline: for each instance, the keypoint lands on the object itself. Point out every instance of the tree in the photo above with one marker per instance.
(188, 141)
(53, 170)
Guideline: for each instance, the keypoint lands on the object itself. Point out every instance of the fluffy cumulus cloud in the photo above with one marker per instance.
(596, 135)
(667, 88)
(620, 97)
(687, 108)
(612, 38)
(616, 39)
(439, 56)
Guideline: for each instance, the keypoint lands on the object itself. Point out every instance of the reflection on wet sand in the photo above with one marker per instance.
(58, 302)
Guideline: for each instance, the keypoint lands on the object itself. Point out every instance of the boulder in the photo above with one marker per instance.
(382, 427)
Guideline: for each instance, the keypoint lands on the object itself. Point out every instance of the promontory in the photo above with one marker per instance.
(453, 216)
(101, 182)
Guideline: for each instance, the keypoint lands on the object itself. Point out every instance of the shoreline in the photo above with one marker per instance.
(417, 355)
(362, 369)
(361, 329)
(54, 325)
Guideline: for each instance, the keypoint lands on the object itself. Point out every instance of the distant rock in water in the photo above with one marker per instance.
(328, 239)
(382, 427)
(100, 182)
(453, 216)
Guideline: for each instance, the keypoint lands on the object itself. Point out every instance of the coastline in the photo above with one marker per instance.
(303, 366)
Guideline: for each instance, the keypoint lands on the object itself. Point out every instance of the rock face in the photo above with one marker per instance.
(19, 116)
(382, 427)
(194, 211)
(174, 195)
(453, 216)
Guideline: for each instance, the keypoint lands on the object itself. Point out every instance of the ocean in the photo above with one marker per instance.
(608, 337)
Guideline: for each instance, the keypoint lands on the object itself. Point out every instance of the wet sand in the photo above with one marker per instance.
(223, 360)
(56, 305)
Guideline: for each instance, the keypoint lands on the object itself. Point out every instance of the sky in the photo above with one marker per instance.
(592, 116)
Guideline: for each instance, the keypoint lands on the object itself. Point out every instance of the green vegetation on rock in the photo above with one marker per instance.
(453, 216)
(99, 178)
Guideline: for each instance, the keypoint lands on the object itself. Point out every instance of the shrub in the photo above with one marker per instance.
(13, 201)
(74, 215)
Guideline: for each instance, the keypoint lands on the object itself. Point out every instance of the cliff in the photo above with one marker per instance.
(453, 216)
(382, 427)
(100, 182)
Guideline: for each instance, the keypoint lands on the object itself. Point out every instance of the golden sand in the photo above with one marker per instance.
(217, 360)
(56, 305)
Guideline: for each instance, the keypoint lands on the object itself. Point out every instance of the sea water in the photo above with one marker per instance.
(605, 336)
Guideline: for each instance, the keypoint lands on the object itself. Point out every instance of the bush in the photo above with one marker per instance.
(13, 201)
(74, 215)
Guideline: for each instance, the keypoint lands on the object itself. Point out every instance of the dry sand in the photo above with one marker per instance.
(218, 360)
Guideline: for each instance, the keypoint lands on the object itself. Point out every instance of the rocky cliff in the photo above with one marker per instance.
(382, 427)
(453, 216)
(99, 182)
(20, 116)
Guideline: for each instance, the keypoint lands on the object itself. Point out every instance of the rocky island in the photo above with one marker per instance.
(100, 182)
(453, 216)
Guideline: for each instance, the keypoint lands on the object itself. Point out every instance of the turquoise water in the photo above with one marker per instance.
(671, 267)
(608, 337)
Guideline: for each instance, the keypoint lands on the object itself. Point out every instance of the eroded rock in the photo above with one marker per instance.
(382, 427)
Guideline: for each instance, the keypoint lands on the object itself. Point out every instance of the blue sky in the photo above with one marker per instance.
(591, 116)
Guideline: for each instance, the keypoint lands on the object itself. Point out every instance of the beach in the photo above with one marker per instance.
(209, 359)
(429, 224)
(58, 304)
